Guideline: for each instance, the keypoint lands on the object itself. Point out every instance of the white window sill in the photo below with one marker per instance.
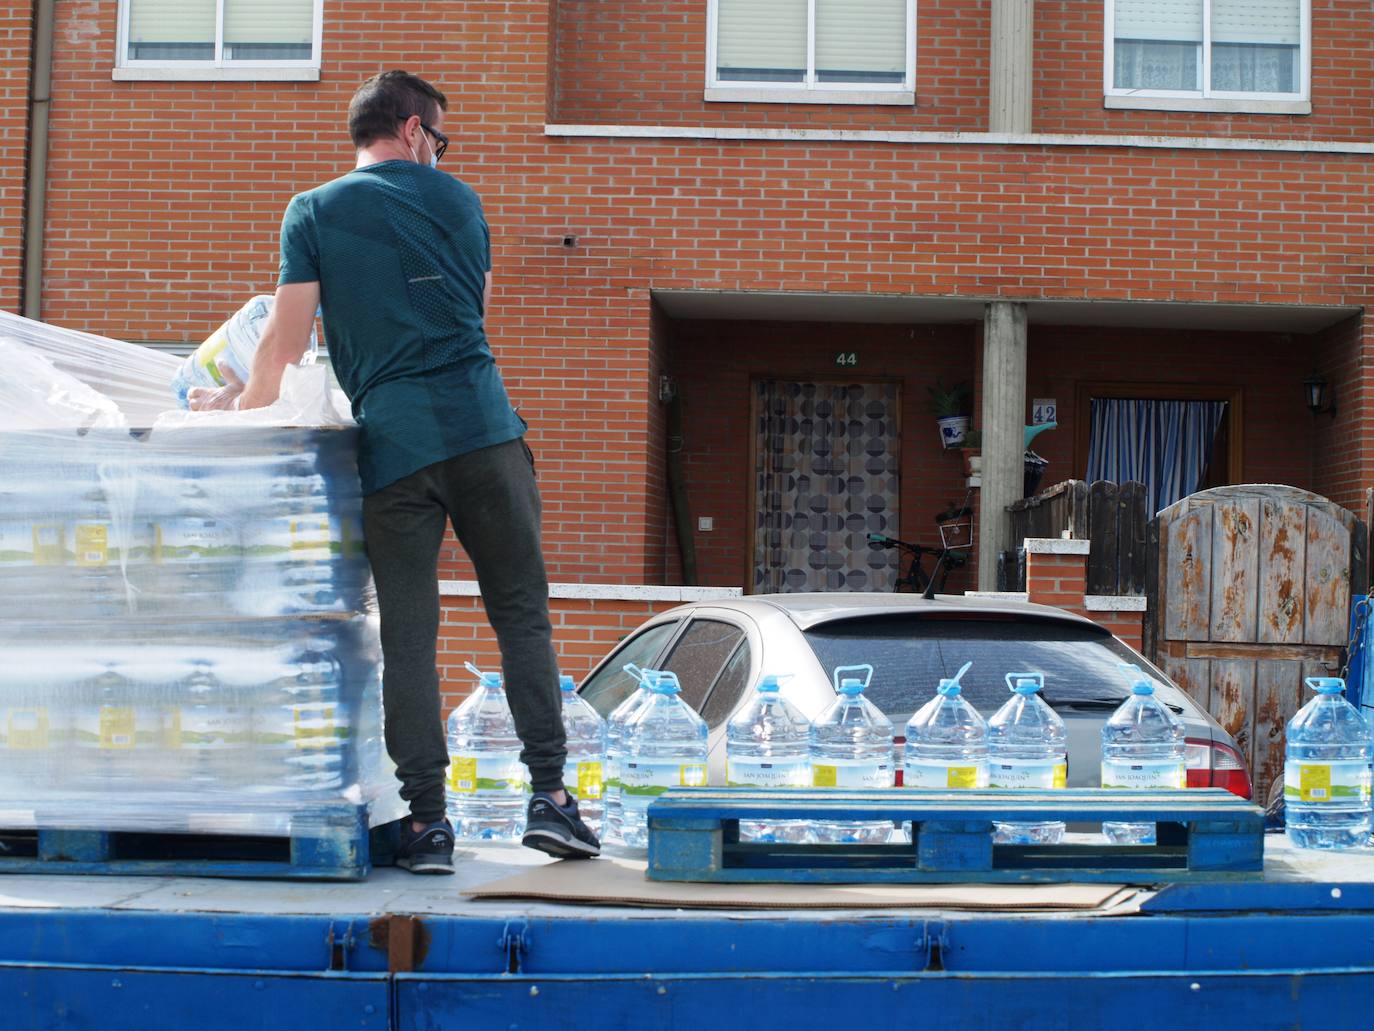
(1205, 104)
(250, 73)
(767, 95)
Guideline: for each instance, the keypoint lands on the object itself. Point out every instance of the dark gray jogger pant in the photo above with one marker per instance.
(491, 498)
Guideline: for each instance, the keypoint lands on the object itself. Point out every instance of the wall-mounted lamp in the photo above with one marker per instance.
(1317, 399)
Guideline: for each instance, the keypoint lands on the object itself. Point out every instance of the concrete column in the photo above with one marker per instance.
(1009, 66)
(1003, 424)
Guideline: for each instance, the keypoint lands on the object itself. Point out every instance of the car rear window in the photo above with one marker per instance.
(910, 654)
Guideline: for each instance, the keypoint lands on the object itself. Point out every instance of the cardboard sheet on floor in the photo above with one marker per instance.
(617, 881)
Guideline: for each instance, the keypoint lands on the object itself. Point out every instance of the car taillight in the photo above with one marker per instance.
(898, 751)
(1212, 764)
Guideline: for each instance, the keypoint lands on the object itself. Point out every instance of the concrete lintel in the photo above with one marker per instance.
(1115, 603)
(606, 592)
(1056, 546)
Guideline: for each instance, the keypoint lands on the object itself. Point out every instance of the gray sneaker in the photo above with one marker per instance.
(558, 830)
(426, 851)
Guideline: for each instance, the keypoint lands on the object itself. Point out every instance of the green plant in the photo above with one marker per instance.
(973, 440)
(947, 401)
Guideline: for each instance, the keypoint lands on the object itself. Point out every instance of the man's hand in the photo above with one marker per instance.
(225, 398)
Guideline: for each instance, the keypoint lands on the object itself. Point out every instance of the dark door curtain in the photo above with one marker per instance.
(1163, 444)
(826, 475)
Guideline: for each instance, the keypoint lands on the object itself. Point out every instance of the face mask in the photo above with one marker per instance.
(433, 157)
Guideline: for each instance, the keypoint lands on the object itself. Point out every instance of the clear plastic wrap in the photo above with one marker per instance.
(187, 642)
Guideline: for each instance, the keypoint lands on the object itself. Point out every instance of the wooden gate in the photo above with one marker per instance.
(1249, 591)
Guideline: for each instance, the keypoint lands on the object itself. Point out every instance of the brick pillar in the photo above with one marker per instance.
(1056, 574)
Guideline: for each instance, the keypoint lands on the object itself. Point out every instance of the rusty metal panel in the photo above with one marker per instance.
(1187, 576)
(1282, 565)
(1232, 701)
(1235, 573)
(1327, 590)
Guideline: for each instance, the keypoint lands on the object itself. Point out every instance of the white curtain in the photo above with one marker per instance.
(1256, 45)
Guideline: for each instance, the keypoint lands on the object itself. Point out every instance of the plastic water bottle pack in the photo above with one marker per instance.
(488, 785)
(664, 746)
(616, 724)
(586, 752)
(767, 745)
(231, 346)
(851, 747)
(1027, 748)
(1143, 748)
(1326, 772)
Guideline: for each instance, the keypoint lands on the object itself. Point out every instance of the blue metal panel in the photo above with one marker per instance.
(1193, 1002)
(48, 998)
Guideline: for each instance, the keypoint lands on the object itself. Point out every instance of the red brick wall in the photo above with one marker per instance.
(584, 632)
(714, 362)
(15, 35)
(1060, 580)
(1341, 458)
(644, 62)
(1068, 69)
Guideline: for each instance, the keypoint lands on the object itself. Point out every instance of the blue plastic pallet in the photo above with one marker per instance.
(1203, 834)
(335, 844)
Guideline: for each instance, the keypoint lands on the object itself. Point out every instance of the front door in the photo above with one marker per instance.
(826, 474)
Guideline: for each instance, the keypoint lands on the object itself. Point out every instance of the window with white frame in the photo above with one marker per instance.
(824, 48)
(219, 33)
(1222, 49)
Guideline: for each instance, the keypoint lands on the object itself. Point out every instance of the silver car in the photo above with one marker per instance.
(721, 649)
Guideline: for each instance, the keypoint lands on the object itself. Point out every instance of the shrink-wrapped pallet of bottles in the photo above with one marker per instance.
(187, 638)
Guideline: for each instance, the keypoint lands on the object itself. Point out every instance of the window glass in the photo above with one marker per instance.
(612, 685)
(734, 678)
(172, 30)
(268, 30)
(860, 40)
(910, 655)
(761, 40)
(1256, 46)
(699, 655)
(1158, 44)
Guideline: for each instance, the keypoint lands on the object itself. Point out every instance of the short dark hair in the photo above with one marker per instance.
(386, 100)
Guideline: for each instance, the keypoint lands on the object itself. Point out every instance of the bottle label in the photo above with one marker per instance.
(766, 773)
(117, 727)
(28, 728)
(315, 726)
(496, 777)
(643, 780)
(589, 784)
(92, 544)
(1028, 773)
(49, 544)
(938, 776)
(194, 540)
(851, 773)
(1316, 783)
(208, 728)
(1145, 774)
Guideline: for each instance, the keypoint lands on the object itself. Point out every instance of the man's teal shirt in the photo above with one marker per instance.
(401, 252)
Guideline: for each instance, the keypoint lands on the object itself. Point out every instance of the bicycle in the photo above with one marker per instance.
(916, 580)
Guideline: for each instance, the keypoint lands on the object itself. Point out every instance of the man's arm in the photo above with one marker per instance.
(285, 338)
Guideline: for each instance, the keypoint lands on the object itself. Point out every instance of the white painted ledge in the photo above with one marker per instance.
(998, 595)
(1214, 105)
(606, 592)
(977, 139)
(212, 73)
(1056, 546)
(766, 95)
(1115, 603)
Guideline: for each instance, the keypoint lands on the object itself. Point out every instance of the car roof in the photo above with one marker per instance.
(809, 610)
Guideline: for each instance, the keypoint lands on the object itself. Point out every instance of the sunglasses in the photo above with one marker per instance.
(443, 140)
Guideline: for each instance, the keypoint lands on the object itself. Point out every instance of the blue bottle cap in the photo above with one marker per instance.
(1025, 683)
(1140, 683)
(950, 687)
(485, 679)
(666, 683)
(566, 683)
(851, 687)
(1326, 685)
(771, 683)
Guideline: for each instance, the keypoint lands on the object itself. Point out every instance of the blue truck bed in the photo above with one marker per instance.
(1293, 949)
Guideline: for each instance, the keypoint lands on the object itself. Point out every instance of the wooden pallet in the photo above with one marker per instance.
(1202, 834)
(335, 845)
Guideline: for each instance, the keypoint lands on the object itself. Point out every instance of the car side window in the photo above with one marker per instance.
(733, 679)
(611, 685)
(699, 656)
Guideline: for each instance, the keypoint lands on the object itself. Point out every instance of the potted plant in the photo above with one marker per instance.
(951, 407)
(972, 449)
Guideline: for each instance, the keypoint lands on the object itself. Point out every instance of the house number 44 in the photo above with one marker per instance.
(847, 359)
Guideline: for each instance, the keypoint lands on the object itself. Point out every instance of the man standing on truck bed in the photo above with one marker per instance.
(397, 255)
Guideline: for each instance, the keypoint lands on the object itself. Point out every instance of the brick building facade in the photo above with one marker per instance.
(642, 231)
